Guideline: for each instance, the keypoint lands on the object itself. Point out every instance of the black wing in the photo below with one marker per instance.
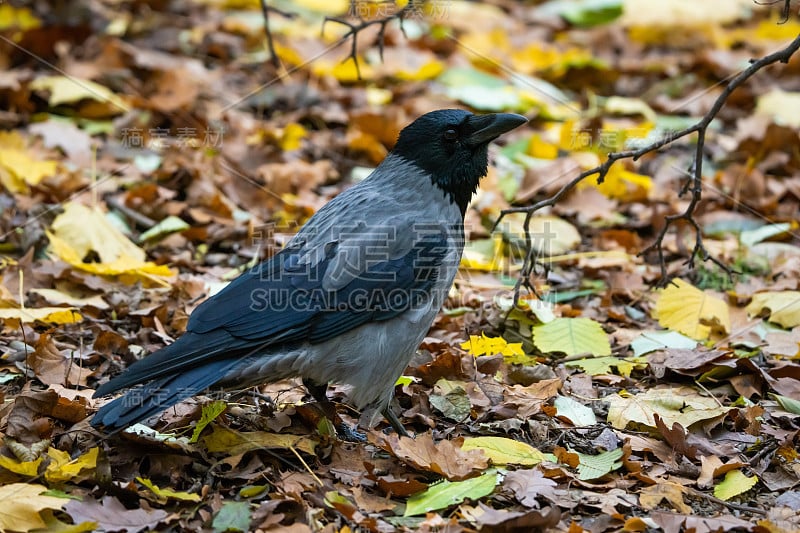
(288, 299)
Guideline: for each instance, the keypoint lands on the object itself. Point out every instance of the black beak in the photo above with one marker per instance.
(487, 128)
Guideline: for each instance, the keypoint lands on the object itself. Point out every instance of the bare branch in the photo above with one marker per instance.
(265, 9)
(356, 28)
(694, 185)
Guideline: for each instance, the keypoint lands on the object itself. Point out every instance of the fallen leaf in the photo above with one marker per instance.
(504, 451)
(162, 495)
(446, 458)
(572, 336)
(650, 497)
(691, 311)
(783, 307)
(63, 468)
(111, 515)
(529, 485)
(447, 493)
(735, 483)
(682, 405)
(22, 503)
(234, 442)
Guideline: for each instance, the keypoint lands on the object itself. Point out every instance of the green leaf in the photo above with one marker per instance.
(165, 494)
(788, 404)
(575, 412)
(451, 400)
(754, 236)
(405, 380)
(735, 483)
(595, 366)
(586, 13)
(171, 224)
(504, 451)
(447, 493)
(565, 296)
(210, 412)
(572, 336)
(233, 516)
(595, 466)
(480, 90)
(251, 491)
(650, 341)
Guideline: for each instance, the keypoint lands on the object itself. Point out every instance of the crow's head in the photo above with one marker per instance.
(452, 145)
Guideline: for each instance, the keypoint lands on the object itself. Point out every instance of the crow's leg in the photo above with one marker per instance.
(320, 394)
(394, 421)
(317, 391)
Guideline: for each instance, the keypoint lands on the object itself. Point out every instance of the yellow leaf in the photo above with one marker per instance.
(687, 309)
(54, 525)
(235, 442)
(572, 336)
(428, 70)
(504, 451)
(326, 7)
(164, 494)
(18, 167)
(82, 230)
(484, 345)
(541, 149)
(51, 315)
(293, 133)
(770, 30)
(69, 90)
(621, 184)
(86, 229)
(540, 57)
(21, 18)
(484, 254)
(63, 468)
(344, 71)
(22, 503)
(288, 55)
(26, 468)
(783, 307)
(735, 483)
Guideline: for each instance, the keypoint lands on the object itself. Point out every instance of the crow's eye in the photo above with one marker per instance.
(450, 135)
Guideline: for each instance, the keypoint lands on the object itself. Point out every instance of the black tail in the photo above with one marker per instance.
(146, 400)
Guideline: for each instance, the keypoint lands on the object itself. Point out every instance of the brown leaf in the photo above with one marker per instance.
(650, 497)
(528, 400)
(392, 485)
(29, 419)
(111, 515)
(26, 422)
(528, 485)
(52, 366)
(499, 520)
(676, 437)
(444, 457)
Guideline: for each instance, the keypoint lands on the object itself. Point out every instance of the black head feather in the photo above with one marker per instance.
(452, 145)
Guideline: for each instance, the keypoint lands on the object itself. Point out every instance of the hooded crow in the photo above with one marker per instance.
(349, 299)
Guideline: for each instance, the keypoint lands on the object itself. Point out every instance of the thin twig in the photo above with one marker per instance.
(694, 185)
(729, 505)
(265, 9)
(355, 28)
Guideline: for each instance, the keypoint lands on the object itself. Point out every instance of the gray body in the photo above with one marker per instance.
(349, 298)
(370, 357)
